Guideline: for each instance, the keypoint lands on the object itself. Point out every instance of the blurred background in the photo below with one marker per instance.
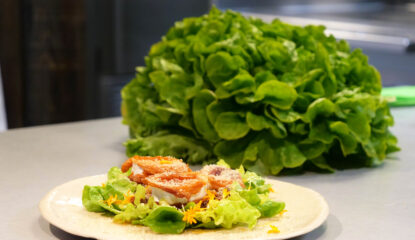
(67, 60)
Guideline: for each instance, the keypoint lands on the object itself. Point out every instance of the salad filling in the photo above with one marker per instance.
(164, 194)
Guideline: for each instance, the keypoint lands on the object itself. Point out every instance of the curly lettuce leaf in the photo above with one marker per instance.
(229, 212)
(117, 184)
(91, 199)
(132, 213)
(273, 97)
(256, 194)
(140, 194)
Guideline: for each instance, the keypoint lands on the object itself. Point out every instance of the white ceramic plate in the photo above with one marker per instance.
(62, 207)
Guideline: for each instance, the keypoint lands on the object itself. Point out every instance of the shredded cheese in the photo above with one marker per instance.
(225, 193)
(283, 211)
(128, 198)
(112, 199)
(273, 229)
(190, 214)
(209, 195)
(165, 162)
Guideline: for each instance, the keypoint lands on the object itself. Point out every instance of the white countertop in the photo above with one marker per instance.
(376, 203)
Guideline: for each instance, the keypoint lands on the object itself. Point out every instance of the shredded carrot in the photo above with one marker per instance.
(283, 211)
(271, 190)
(273, 229)
(103, 185)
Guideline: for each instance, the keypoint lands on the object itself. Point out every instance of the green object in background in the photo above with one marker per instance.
(274, 97)
(400, 96)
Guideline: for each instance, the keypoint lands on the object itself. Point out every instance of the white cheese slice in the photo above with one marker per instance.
(200, 194)
(136, 169)
(160, 194)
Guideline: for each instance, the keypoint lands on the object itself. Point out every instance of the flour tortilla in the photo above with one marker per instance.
(62, 207)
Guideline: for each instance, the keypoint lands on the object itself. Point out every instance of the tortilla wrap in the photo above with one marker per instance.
(62, 207)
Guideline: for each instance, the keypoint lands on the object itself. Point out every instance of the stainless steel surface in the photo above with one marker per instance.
(390, 48)
(365, 203)
(372, 32)
(388, 13)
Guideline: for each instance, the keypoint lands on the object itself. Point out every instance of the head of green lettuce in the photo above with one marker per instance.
(270, 96)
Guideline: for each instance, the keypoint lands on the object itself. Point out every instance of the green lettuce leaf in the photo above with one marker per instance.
(140, 194)
(165, 219)
(270, 208)
(91, 199)
(132, 213)
(229, 212)
(274, 97)
(230, 125)
(117, 184)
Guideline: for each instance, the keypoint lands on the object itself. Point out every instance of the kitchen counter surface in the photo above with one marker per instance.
(376, 203)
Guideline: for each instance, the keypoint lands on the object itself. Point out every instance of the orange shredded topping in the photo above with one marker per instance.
(283, 211)
(190, 214)
(271, 190)
(273, 229)
(165, 162)
(128, 198)
(225, 193)
(103, 185)
(112, 199)
(209, 195)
